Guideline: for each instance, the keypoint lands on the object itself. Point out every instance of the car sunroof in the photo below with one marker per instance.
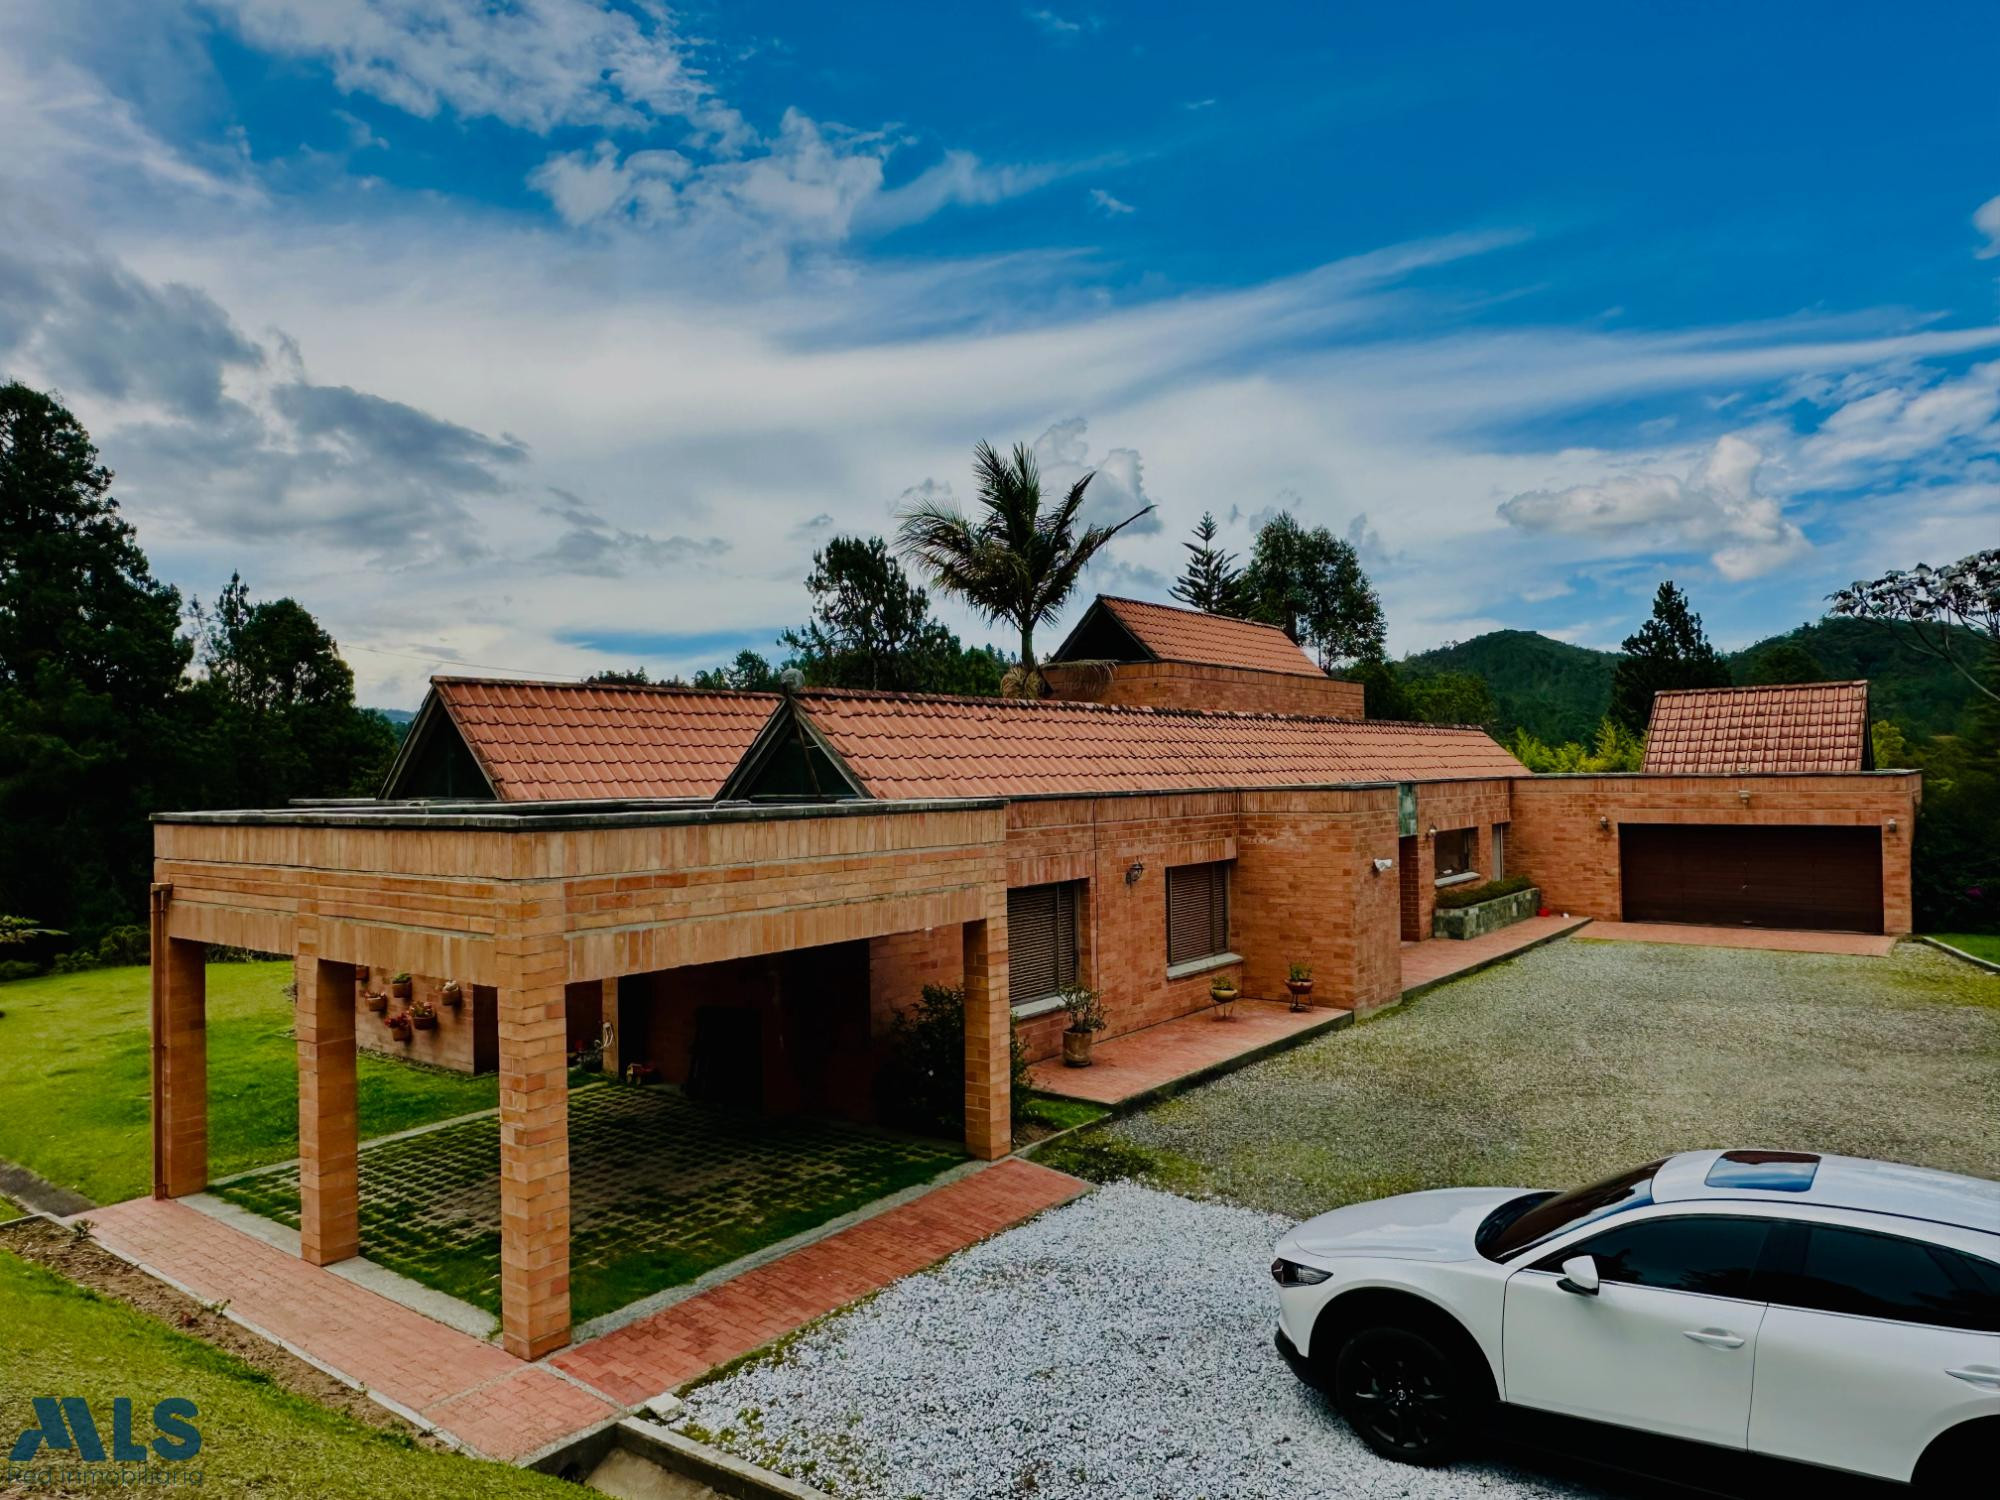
(1764, 1171)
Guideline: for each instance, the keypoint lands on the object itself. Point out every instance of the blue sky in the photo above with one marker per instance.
(547, 336)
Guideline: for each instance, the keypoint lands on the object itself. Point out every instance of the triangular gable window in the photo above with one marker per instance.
(435, 763)
(790, 761)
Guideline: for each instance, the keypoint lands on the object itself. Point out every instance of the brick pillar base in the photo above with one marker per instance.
(534, 1139)
(329, 1125)
(180, 1062)
(989, 1130)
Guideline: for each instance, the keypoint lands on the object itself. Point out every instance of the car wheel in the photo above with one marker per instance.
(1404, 1395)
(1960, 1461)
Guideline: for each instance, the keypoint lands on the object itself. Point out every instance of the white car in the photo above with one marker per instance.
(1820, 1309)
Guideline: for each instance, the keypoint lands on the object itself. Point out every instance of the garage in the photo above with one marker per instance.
(1731, 875)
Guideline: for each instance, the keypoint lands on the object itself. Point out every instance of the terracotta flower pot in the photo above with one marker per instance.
(400, 988)
(424, 1023)
(1301, 989)
(1076, 1049)
(1224, 997)
(376, 1001)
(454, 996)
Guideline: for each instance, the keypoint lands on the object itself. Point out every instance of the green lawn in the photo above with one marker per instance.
(1984, 945)
(75, 1089)
(256, 1439)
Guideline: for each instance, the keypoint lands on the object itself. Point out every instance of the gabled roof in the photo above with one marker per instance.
(1163, 632)
(1807, 726)
(551, 741)
(901, 745)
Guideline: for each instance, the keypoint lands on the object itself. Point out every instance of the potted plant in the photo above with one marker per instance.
(452, 993)
(1299, 980)
(376, 1001)
(1086, 1018)
(399, 986)
(399, 1025)
(588, 1058)
(423, 1015)
(1222, 990)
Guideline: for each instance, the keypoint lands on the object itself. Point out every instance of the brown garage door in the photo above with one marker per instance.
(1737, 876)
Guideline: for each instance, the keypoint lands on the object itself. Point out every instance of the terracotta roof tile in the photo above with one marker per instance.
(1809, 726)
(914, 745)
(550, 741)
(1213, 640)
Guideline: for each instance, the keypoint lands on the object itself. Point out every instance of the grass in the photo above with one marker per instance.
(76, 1092)
(1060, 1114)
(1984, 945)
(1579, 1059)
(256, 1439)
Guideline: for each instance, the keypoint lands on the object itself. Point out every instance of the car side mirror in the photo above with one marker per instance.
(1580, 1276)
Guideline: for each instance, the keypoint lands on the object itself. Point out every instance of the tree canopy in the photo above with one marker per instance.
(1311, 585)
(873, 628)
(1668, 651)
(1211, 580)
(1015, 559)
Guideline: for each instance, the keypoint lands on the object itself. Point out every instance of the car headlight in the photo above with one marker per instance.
(1291, 1273)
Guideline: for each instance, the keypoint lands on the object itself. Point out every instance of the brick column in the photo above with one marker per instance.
(989, 1130)
(180, 1061)
(534, 1129)
(329, 1124)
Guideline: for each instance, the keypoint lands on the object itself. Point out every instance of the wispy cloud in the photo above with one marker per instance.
(1986, 219)
(1105, 204)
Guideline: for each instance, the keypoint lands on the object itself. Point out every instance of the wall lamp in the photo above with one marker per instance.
(1431, 832)
(1743, 796)
(1384, 866)
(1890, 825)
(1604, 824)
(1134, 871)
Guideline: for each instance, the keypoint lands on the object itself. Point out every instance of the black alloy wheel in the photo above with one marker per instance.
(1403, 1395)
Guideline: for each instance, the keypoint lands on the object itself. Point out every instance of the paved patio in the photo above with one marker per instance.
(497, 1406)
(1192, 1049)
(661, 1190)
(1758, 939)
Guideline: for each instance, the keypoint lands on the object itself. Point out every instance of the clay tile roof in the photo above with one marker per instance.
(542, 741)
(1808, 726)
(917, 745)
(1174, 634)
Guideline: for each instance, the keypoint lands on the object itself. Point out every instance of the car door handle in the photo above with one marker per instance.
(1985, 1375)
(1715, 1338)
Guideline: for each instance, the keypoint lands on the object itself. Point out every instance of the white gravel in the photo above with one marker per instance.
(1117, 1347)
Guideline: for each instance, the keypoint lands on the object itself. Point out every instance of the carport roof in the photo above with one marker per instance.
(1808, 726)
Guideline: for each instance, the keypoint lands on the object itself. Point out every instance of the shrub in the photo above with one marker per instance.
(1083, 1007)
(77, 962)
(18, 968)
(1455, 896)
(922, 1082)
(125, 945)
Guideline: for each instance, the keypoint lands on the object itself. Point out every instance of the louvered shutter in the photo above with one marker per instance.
(1197, 912)
(1031, 943)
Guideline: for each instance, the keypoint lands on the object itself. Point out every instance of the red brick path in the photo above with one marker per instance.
(1141, 1060)
(673, 1346)
(1441, 958)
(478, 1394)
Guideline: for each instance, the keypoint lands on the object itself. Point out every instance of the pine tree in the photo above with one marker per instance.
(1211, 580)
(1668, 651)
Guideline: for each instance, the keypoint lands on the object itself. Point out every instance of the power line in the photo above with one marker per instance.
(451, 661)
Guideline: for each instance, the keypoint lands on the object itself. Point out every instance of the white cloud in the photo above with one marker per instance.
(1108, 205)
(1118, 484)
(1058, 26)
(536, 64)
(1986, 219)
(1911, 418)
(1716, 509)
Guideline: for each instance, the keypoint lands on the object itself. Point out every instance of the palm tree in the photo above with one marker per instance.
(1015, 562)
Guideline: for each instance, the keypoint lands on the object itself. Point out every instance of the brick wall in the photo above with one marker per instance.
(1179, 684)
(1446, 805)
(1304, 887)
(1555, 839)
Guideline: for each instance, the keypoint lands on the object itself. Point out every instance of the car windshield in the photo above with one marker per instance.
(1521, 1222)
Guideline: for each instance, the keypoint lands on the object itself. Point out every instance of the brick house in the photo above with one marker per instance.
(739, 889)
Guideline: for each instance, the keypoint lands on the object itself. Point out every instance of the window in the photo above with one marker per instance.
(1197, 911)
(1868, 1275)
(1041, 940)
(1499, 870)
(1454, 851)
(1525, 1221)
(1713, 1256)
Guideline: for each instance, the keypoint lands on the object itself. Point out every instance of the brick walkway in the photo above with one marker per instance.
(1425, 964)
(476, 1393)
(1770, 940)
(669, 1348)
(1129, 1065)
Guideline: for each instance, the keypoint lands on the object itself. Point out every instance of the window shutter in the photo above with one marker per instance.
(1197, 911)
(1031, 942)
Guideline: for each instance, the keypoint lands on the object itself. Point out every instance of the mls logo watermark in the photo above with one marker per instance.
(65, 1446)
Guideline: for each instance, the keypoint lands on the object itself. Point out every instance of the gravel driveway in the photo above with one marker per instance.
(1581, 1058)
(1118, 1348)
